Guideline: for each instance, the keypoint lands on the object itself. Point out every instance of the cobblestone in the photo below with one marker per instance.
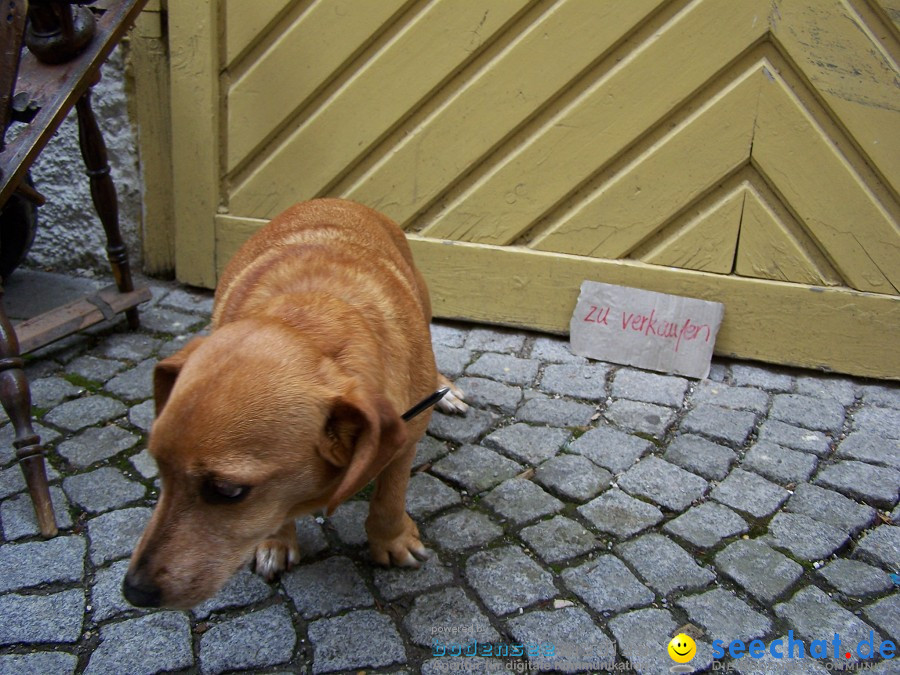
(814, 616)
(101, 490)
(840, 389)
(51, 391)
(869, 447)
(41, 562)
(147, 644)
(476, 468)
(490, 394)
(745, 375)
(617, 513)
(643, 636)
(450, 336)
(463, 529)
(874, 485)
(452, 361)
(779, 464)
(506, 579)
(703, 457)
(576, 380)
(523, 503)
(243, 588)
(144, 464)
(85, 412)
(142, 414)
(135, 384)
(641, 418)
(505, 368)
(795, 438)
(808, 412)
(520, 501)
(495, 340)
(565, 629)
(881, 546)
(612, 449)
(17, 514)
(555, 350)
(804, 537)
(665, 484)
(855, 578)
(450, 616)
(114, 534)
(885, 614)
(459, 429)
(664, 565)
(705, 525)
(725, 617)
(830, 507)
(638, 385)
(528, 444)
(555, 412)
(761, 571)
(395, 582)
(96, 444)
(881, 395)
(573, 477)
(349, 520)
(256, 640)
(427, 495)
(38, 662)
(877, 420)
(429, 450)
(558, 539)
(750, 494)
(737, 398)
(720, 424)
(56, 617)
(327, 587)
(375, 642)
(607, 586)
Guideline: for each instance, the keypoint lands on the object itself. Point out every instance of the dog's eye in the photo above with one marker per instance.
(217, 491)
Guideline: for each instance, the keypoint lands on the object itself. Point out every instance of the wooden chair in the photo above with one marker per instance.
(66, 45)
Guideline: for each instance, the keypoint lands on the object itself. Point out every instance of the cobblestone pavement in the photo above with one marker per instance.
(582, 514)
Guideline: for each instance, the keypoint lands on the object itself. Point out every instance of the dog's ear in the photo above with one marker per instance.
(166, 372)
(363, 436)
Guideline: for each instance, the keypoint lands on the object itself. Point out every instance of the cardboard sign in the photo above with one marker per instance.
(656, 331)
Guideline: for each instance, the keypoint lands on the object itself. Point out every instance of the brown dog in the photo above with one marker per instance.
(320, 340)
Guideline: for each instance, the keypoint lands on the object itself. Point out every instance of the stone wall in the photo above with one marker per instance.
(70, 237)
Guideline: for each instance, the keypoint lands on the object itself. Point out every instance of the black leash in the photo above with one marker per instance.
(424, 404)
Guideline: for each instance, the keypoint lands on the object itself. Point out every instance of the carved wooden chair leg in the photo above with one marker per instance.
(103, 192)
(16, 398)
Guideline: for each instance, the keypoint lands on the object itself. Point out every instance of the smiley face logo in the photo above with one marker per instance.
(682, 648)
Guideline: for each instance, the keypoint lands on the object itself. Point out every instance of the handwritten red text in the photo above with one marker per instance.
(651, 325)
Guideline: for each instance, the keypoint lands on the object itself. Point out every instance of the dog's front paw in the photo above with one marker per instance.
(403, 550)
(454, 400)
(276, 555)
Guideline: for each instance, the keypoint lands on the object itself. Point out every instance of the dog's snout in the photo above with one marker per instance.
(141, 593)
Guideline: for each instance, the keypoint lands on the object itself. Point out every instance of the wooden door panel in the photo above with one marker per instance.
(745, 151)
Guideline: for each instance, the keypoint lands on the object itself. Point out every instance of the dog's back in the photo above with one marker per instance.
(321, 246)
(343, 274)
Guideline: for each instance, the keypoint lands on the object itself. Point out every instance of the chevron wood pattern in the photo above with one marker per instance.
(689, 140)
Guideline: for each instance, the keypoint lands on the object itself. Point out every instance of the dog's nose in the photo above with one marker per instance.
(141, 593)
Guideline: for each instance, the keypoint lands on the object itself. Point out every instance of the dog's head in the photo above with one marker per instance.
(253, 427)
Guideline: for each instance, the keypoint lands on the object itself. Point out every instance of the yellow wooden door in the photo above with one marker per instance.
(744, 151)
